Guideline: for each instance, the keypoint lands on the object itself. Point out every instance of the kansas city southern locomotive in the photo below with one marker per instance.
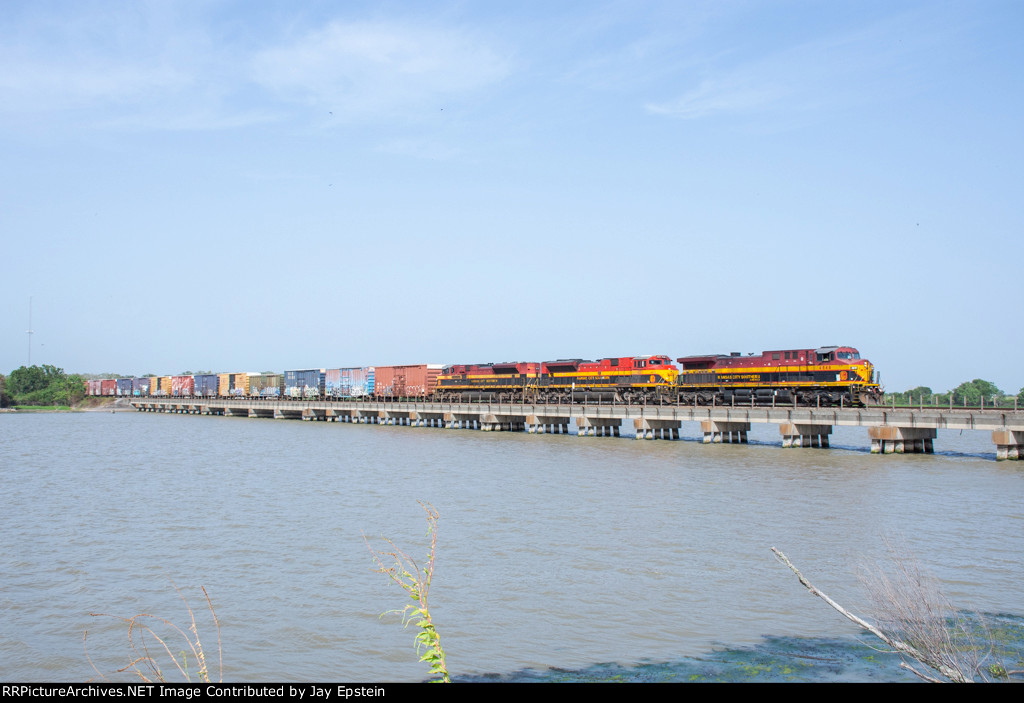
(823, 377)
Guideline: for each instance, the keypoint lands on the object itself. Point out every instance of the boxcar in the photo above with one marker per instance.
(412, 381)
(205, 385)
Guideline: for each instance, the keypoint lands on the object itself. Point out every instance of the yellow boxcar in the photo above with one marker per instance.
(223, 385)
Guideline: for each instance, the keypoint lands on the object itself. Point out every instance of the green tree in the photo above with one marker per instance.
(43, 385)
(972, 392)
(31, 379)
(914, 396)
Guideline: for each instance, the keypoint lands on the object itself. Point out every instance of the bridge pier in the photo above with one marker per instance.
(888, 439)
(1009, 444)
(422, 419)
(598, 426)
(718, 432)
(462, 421)
(502, 423)
(552, 424)
(655, 429)
(804, 435)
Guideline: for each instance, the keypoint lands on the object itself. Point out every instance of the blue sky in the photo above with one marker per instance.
(269, 185)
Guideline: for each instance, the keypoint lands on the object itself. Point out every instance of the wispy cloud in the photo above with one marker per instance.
(32, 83)
(830, 71)
(163, 67)
(360, 69)
(736, 93)
(420, 149)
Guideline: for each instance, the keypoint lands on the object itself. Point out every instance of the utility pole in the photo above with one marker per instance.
(30, 330)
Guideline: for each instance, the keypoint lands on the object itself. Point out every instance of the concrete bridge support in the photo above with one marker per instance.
(539, 424)
(1009, 444)
(314, 414)
(260, 412)
(422, 419)
(716, 432)
(287, 414)
(394, 417)
(803, 435)
(657, 429)
(502, 423)
(598, 426)
(887, 439)
(462, 421)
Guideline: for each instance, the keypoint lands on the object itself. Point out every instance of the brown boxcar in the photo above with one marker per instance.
(412, 381)
(182, 386)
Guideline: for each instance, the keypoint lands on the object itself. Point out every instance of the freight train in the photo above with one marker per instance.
(824, 376)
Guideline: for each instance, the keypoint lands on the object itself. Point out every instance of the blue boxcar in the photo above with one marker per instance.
(304, 383)
(206, 385)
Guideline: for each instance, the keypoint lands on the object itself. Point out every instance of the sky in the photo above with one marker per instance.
(256, 186)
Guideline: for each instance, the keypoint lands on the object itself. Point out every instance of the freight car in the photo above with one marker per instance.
(410, 381)
(352, 382)
(266, 385)
(140, 386)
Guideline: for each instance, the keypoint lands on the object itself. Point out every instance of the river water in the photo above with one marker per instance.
(557, 555)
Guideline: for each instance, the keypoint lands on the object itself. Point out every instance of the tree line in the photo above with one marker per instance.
(969, 393)
(41, 385)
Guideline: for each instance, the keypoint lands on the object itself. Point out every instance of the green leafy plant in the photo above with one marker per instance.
(403, 570)
(150, 640)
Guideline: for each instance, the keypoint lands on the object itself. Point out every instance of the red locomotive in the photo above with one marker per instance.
(823, 376)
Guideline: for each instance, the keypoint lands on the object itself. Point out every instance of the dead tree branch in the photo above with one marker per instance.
(930, 659)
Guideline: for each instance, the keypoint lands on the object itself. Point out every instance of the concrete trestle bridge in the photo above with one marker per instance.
(890, 430)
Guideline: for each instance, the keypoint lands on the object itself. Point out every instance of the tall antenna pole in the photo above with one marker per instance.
(30, 330)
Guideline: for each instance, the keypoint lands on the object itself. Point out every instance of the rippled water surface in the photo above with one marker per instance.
(555, 553)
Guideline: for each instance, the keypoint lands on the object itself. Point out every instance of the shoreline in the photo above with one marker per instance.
(104, 405)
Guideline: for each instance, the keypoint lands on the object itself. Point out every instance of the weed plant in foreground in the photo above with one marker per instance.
(403, 570)
(160, 651)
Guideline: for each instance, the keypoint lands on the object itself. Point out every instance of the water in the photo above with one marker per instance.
(558, 557)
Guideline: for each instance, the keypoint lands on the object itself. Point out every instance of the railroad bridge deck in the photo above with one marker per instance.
(890, 430)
